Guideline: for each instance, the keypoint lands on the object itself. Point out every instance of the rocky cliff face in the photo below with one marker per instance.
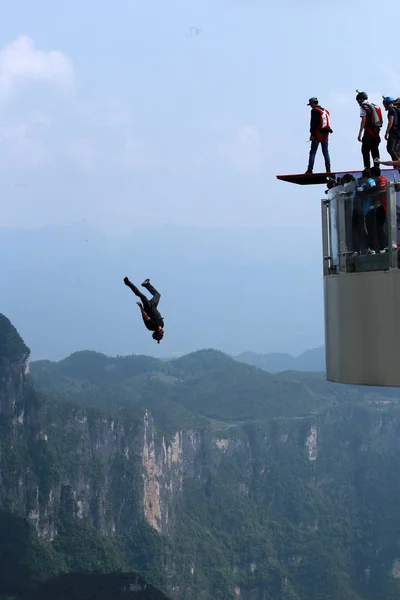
(83, 456)
(64, 458)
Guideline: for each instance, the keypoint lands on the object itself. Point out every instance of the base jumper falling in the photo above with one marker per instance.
(151, 317)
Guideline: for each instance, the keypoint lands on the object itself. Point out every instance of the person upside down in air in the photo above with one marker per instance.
(148, 308)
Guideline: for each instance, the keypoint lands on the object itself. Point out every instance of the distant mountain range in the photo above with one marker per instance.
(275, 362)
(310, 361)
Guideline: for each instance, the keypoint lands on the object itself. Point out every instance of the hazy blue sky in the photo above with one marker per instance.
(148, 113)
(119, 113)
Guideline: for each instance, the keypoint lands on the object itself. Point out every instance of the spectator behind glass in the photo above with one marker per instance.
(366, 183)
(381, 209)
(357, 219)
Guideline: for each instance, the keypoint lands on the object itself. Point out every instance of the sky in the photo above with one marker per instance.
(157, 114)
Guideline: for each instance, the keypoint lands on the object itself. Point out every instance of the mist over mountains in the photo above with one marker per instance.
(311, 360)
(230, 289)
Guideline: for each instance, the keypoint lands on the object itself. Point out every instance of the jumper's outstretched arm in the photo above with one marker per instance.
(144, 314)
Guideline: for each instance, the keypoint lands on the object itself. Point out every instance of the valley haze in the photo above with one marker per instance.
(227, 288)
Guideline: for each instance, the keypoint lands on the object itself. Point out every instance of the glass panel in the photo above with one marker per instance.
(397, 187)
(334, 232)
(364, 225)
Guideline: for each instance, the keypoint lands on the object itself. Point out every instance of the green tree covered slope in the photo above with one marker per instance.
(214, 479)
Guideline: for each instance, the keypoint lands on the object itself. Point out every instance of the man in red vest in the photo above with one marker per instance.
(371, 123)
(319, 134)
(381, 208)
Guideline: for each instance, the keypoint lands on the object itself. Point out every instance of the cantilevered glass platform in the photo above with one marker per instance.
(323, 178)
(361, 269)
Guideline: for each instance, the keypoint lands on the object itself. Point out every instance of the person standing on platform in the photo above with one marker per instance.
(371, 123)
(392, 135)
(319, 134)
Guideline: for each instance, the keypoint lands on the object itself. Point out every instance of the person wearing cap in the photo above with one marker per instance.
(148, 308)
(371, 122)
(319, 134)
(392, 135)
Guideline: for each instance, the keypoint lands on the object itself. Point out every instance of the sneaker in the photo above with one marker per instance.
(308, 172)
(145, 282)
(370, 251)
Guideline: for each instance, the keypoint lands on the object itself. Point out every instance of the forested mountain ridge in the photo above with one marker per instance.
(274, 362)
(203, 385)
(213, 478)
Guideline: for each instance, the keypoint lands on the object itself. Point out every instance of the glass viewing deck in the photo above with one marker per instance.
(361, 268)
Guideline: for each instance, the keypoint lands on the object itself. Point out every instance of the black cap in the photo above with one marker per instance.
(312, 101)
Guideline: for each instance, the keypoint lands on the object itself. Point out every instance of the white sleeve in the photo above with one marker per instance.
(363, 112)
